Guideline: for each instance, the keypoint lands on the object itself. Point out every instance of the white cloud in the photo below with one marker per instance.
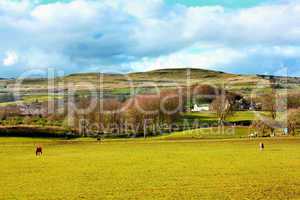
(108, 34)
(209, 59)
(10, 59)
(255, 59)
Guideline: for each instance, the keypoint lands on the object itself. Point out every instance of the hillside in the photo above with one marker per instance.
(162, 78)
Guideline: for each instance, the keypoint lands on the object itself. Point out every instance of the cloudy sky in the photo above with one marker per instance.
(239, 36)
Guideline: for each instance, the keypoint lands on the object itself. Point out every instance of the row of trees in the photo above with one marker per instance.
(136, 115)
(151, 112)
(282, 111)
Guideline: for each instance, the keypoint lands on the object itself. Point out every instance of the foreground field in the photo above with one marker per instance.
(148, 169)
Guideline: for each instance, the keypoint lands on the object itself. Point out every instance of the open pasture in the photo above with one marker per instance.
(150, 169)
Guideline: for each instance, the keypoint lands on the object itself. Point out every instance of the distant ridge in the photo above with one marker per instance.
(185, 69)
(164, 70)
(177, 74)
(160, 78)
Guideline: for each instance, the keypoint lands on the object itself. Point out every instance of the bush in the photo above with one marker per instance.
(33, 131)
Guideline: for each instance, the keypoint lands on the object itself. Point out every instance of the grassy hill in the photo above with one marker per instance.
(146, 81)
(166, 78)
(162, 77)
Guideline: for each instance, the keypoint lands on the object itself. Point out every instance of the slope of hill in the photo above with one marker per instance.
(162, 78)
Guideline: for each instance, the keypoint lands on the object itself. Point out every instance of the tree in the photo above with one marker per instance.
(149, 112)
(111, 116)
(293, 121)
(3, 114)
(269, 103)
(204, 93)
(293, 100)
(276, 106)
(171, 105)
(261, 128)
(142, 110)
(222, 107)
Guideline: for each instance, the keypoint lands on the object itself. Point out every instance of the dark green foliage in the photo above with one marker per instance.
(33, 131)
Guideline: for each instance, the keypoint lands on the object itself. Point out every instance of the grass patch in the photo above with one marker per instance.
(210, 117)
(124, 91)
(209, 133)
(31, 99)
(148, 169)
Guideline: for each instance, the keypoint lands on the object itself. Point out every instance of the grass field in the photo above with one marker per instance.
(150, 169)
(31, 99)
(236, 117)
(210, 133)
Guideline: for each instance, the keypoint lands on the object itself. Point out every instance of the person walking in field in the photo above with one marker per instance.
(99, 137)
(39, 150)
(261, 146)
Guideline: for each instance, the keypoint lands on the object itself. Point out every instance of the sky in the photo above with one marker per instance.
(76, 36)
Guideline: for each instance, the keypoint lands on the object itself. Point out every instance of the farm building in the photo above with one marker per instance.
(200, 108)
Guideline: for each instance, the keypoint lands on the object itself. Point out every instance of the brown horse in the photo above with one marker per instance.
(39, 150)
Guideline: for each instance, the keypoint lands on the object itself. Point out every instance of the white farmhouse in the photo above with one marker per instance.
(200, 108)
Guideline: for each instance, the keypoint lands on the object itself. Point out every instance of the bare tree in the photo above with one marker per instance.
(143, 109)
(153, 110)
(261, 128)
(171, 105)
(293, 100)
(275, 105)
(3, 113)
(222, 107)
(269, 103)
(293, 121)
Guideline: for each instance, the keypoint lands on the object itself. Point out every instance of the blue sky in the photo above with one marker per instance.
(248, 36)
(225, 3)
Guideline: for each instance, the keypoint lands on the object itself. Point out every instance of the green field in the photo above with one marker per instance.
(150, 169)
(210, 133)
(235, 117)
(31, 99)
